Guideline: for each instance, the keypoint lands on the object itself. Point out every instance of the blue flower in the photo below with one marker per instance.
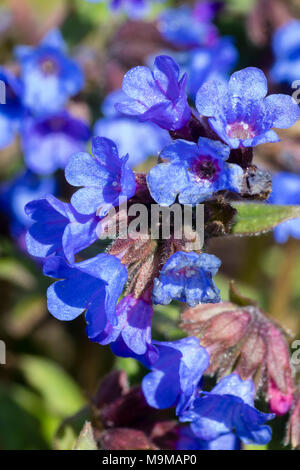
(187, 277)
(58, 229)
(241, 114)
(229, 408)
(187, 27)
(187, 440)
(15, 194)
(176, 373)
(93, 286)
(158, 96)
(139, 139)
(12, 111)
(48, 142)
(105, 178)
(49, 76)
(132, 335)
(193, 172)
(286, 47)
(286, 191)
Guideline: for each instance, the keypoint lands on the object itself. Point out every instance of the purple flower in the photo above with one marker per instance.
(187, 440)
(105, 178)
(175, 375)
(11, 110)
(241, 114)
(48, 142)
(49, 76)
(229, 408)
(286, 47)
(58, 229)
(187, 27)
(193, 172)
(15, 194)
(139, 139)
(187, 277)
(158, 96)
(131, 337)
(93, 286)
(286, 191)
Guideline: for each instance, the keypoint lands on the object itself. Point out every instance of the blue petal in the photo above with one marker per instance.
(210, 96)
(284, 110)
(166, 181)
(248, 84)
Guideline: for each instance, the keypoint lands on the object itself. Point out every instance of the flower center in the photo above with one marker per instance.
(206, 168)
(48, 66)
(240, 130)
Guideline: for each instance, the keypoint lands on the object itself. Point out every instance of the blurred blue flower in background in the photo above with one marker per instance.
(12, 111)
(286, 191)
(286, 49)
(189, 27)
(49, 76)
(15, 194)
(48, 142)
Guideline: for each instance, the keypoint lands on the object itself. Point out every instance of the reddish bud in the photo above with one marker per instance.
(244, 340)
(293, 430)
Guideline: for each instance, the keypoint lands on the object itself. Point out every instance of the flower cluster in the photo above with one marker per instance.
(116, 290)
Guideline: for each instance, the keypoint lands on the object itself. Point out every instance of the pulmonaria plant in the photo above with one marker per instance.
(117, 290)
(12, 111)
(286, 43)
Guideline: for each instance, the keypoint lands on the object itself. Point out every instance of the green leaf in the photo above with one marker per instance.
(253, 218)
(58, 389)
(86, 440)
